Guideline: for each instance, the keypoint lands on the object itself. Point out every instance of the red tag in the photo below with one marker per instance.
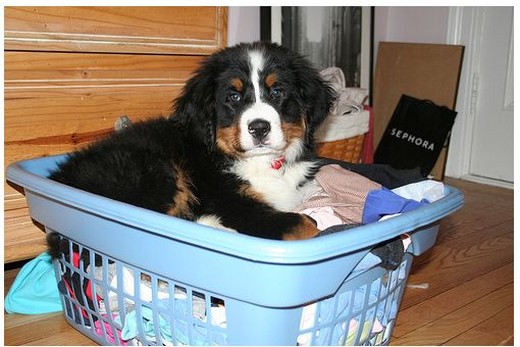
(277, 163)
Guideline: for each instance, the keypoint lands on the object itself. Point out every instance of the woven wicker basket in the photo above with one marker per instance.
(349, 150)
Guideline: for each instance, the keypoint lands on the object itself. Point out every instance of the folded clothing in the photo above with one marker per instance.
(347, 117)
(427, 189)
(383, 174)
(384, 202)
(345, 197)
(338, 203)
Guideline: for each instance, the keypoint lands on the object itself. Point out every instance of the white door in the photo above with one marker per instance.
(491, 153)
(481, 145)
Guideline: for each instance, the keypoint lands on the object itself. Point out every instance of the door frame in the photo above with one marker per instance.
(465, 28)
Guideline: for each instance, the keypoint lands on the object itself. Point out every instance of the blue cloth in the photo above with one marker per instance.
(383, 202)
(181, 327)
(131, 329)
(131, 326)
(34, 289)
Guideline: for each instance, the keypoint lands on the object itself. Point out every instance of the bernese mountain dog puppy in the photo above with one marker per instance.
(236, 152)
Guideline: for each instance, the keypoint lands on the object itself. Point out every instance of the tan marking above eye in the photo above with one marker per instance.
(237, 84)
(271, 79)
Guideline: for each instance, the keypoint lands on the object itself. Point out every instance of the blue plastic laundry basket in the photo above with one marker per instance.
(156, 279)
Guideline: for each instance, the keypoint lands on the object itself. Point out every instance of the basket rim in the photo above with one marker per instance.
(31, 175)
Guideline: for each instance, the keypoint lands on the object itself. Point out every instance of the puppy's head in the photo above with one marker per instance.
(255, 99)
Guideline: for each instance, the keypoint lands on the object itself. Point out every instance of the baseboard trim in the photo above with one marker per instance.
(488, 181)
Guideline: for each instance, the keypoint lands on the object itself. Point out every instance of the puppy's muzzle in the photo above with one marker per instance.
(259, 129)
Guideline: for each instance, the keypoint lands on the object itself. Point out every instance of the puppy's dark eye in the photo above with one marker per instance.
(234, 97)
(275, 92)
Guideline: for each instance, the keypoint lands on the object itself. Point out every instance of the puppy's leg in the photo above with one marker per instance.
(263, 221)
(213, 221)
(305, 229)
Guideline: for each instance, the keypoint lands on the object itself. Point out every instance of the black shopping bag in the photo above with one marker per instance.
(415, 135)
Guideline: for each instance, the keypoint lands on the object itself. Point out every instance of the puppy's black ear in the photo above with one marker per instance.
(317, 96)
(195, 108)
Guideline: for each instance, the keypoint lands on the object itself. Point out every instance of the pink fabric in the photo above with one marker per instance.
(341, 190)
(324, 216)
(110, 334)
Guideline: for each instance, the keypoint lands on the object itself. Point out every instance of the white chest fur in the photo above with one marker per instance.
(282, 188)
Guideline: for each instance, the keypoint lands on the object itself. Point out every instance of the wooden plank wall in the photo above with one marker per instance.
(70, 72)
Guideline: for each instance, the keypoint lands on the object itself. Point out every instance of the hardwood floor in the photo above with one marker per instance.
(469, 272)
(469, 277)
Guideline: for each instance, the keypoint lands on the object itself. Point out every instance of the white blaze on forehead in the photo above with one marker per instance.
(274, 140)
(257, 62)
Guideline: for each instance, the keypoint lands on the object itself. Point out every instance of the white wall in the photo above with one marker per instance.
(414, 24)
(396, 23)
(410, 24)
(243, 24)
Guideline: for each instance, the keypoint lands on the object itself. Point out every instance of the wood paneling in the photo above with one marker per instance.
(57, 102)
(158, 30)
(71, 72)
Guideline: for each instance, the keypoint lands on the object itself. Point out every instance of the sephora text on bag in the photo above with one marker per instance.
(415, 135)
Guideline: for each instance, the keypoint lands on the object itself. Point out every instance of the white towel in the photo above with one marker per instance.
(346, 118)
(339, 127)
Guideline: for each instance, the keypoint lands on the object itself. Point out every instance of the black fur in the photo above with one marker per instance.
(142, 165)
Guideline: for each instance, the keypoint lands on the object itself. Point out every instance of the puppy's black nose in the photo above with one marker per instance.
(259, 128)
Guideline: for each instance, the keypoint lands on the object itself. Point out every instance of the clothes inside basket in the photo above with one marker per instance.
(138, 306)
(341, 196)
(357, 313)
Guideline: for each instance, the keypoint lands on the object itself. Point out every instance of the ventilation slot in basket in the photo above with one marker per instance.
(115, 303)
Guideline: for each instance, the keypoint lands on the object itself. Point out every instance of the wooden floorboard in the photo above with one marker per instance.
(489, 331)
(443, 330)
(42, 330)
(469, 276)
(427, 311)
(469, 273)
